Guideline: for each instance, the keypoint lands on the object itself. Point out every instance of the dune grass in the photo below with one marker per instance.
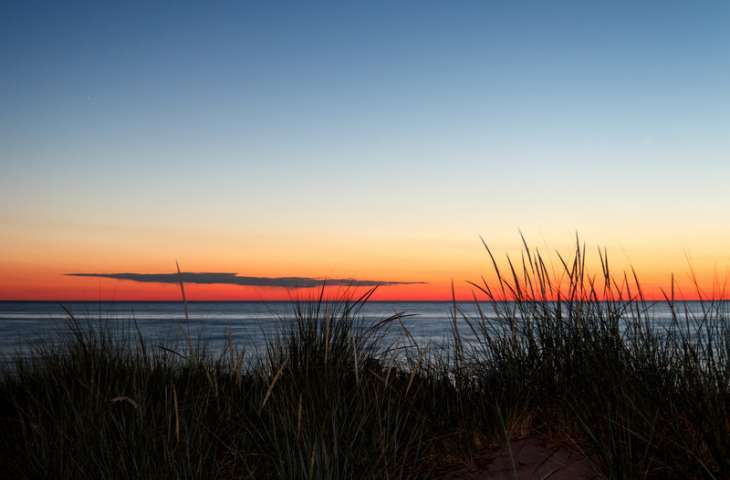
(569, 356)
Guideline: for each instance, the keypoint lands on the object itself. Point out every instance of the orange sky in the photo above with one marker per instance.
(44, 279)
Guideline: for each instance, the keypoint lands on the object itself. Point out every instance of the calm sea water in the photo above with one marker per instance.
(249, 324)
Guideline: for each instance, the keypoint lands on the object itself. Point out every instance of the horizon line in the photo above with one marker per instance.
(445, 300)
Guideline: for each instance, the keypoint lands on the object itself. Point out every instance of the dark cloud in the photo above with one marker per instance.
(235, 279)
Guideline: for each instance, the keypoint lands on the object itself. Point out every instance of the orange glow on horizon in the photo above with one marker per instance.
(436, 262)
(59, 287)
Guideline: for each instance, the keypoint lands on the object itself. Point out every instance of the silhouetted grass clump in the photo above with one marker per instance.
(570, 356)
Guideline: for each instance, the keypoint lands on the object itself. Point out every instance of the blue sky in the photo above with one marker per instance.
(406, 119)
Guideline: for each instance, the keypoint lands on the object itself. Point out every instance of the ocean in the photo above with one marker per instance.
(248, 324)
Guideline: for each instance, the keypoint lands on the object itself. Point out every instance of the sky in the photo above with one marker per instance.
(368, 141)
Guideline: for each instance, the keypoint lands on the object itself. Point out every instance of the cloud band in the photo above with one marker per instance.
(234, 279)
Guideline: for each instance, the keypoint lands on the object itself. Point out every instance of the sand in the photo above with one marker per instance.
(530, 458)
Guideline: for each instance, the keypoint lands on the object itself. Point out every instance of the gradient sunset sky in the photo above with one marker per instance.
(370, 141)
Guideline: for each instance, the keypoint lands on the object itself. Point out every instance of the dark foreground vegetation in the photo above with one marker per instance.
(334, 397)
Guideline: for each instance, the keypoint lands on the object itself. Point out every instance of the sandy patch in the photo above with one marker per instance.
(528, 459)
